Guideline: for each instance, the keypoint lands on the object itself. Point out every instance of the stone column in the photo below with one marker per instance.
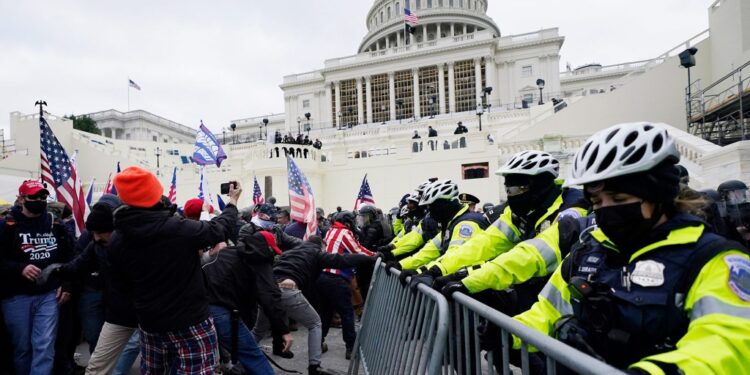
(465, 29)
(453, 29)
(491, 69)
(368, 91)
(478, 79)
(441, 89)
(437, 36)
(338, 104)
(387, 42)
(360, 102)
(451, 88)
(415, 80)
(398, 38)
(392, 95)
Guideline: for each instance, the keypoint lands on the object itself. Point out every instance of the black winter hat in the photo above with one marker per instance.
(100, 219)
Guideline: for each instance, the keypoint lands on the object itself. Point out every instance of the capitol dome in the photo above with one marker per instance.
(437, 19)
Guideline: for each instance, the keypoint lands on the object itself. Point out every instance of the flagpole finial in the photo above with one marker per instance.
(41, 104)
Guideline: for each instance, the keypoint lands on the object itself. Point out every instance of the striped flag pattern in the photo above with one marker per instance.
(301, 199)
(364, 198)
(257, 194)
(410, 17)
(173, 187)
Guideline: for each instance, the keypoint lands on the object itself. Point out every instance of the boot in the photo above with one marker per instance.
(278, 347)
(348, 354)
(316, 370)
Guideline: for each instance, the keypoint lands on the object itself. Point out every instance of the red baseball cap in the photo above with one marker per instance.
(31, 187)
(193, 208)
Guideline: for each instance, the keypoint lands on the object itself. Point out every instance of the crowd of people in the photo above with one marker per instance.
(622, 261)
(299, 140)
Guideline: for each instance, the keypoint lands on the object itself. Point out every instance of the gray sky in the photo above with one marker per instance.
(223, 60)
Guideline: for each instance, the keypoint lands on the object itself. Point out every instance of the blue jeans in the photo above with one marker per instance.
(128, 355)
(32, 324)
(250, 356)
(91, 313)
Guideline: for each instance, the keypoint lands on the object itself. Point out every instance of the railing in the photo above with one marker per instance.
(607, 69)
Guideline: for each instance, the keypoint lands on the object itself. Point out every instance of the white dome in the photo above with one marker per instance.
(386, 17)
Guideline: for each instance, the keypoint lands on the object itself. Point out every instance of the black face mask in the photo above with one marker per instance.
(442, 210)
(739, 214)
(35, 207)
(522, 204)
(625, 225)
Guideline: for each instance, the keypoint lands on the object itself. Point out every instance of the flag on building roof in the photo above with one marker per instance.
(220, 202)
(134, 85)
(257, 193)
(90, 193)
(59, 171)
(364, 198)
(173, 187)
(410, 17)
(301, 199)
(207, 148)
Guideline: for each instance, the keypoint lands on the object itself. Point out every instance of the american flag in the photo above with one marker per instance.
(134, 85)
(364, 198)
(110, 187)
(60, 172)
(173, 187)
(301, 199)
(410, 17)
(90, 193)
(257, 194)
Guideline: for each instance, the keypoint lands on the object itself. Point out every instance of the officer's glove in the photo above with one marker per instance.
(386, 256)
(423, 278)
(442, 281)
(389, 265)
(404, 274)
(452, 287)
(386, 248)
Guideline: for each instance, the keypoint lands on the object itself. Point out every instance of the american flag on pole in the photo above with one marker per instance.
(410, 17)
(301, 199)
(110, 187)
(134, 85)
(173, 187)
(59, 171)
(257, 194)
(364, 198)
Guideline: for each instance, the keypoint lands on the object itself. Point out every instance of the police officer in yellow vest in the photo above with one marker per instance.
(648, 288)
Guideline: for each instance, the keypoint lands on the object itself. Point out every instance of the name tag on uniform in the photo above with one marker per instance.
(648, 273)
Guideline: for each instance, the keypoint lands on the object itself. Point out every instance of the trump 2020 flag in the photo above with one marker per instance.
(173, 187)
(90, 193)
(364, 198)
(207, 148)
(301, 199)
(257, 194)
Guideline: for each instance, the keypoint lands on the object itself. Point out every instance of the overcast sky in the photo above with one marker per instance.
(221, 60)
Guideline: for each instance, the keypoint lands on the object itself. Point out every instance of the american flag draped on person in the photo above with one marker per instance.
(364, 198)
(301, 199)
(60, 172)
(257, 193)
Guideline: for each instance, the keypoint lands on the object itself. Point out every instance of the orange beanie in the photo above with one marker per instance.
(138, 187)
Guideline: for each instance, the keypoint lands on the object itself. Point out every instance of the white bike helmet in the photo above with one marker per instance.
(530, 162)
(445, 190)
(621, 150)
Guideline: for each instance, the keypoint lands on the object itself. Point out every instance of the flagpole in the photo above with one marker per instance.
(128, 94)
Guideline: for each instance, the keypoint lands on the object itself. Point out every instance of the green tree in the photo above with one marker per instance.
(84, 123)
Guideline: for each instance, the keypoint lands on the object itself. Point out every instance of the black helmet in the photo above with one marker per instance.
(368, 210)
(266, 211)
(733, 192)
(345, 217)
(731, 185)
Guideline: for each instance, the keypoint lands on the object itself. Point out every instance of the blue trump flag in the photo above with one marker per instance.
(207, 148)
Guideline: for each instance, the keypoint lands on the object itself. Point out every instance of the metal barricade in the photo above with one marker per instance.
(464, 355)
(403, 332)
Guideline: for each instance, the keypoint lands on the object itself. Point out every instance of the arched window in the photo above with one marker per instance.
(389, 12)
(398, 8)
(450, 3)
(460, 3)
(429, 3)
(381, 16)
(417, 4)
(468, 3)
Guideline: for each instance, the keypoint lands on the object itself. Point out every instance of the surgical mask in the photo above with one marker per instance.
(624, 225)
(35, 207)
(265, 224)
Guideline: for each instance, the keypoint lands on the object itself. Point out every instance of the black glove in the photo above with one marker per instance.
(49, 274)
(423, 278)
(386, 256)
(404, 274)
(636, 371)
(453, 286)
(442, 281)
(392, 265)
(386, 248)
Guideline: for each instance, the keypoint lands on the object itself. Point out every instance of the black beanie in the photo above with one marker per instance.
(660, 184)
(100, 218)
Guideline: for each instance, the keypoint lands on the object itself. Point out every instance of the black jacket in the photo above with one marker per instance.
(154, 256)
(372, 235)
(304, 263)
(94, 260)
(39, 241)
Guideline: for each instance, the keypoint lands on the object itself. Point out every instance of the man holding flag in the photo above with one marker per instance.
(257, 194)
(301, 199)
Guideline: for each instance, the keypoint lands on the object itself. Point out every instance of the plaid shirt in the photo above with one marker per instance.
(192, 350)
(341, 241)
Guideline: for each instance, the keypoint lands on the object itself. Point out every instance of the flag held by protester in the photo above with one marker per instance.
(60, 172)
(173, 187)
(301, 199)
(220, 202)
(90, 193)
(364, 198)
(257, 193)
(207, 148)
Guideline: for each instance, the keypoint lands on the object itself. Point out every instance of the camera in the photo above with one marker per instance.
(225, 186)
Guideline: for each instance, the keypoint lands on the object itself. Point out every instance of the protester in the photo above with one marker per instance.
(156, 254)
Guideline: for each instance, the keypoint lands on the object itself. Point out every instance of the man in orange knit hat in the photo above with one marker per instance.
(155, 254)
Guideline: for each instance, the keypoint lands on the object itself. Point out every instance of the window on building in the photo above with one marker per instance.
(460, 3)
(173, 152)
(450, 3)
(526, 71)
(349, 102)
(528, 98)
(306, 103)
(389, 13)
(465, 83)
(429, 3)
(468, 2)
(475, 170)
(428, 91)
(398, 8)
(381, 104)
(268, 185)
(381, 16)
(154, 138)
(417, 4)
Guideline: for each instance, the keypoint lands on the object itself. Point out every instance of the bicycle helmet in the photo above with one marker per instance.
(439, 190)
(621, 150)
(532, 163)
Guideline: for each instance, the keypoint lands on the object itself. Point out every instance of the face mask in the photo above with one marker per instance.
(35, 207)
(265, 224)
(624, 225)
(521, 204)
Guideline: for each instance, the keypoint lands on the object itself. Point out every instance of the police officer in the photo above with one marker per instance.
(735, 209)
(648, 288)
(469, 199)
(419, 228)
